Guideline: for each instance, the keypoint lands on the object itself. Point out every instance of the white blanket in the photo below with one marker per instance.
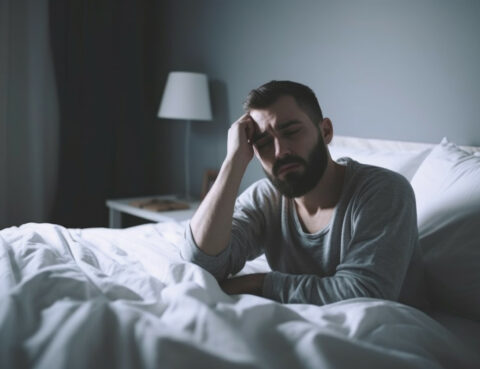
(72, 298)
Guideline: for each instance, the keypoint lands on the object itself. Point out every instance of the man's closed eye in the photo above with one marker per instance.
(291, 132)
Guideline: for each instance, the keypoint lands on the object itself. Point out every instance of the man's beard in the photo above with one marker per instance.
(298, 184)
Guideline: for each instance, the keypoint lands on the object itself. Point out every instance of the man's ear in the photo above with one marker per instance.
(326, 128)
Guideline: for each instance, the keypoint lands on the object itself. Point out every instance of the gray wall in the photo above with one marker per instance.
(403, 70)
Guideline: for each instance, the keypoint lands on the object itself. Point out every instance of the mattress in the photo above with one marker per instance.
(467, 331)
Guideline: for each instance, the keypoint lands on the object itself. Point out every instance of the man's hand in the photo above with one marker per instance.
(239, 148)
(251, 284)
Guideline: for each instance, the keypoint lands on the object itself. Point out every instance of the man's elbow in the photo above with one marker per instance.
(192, 254)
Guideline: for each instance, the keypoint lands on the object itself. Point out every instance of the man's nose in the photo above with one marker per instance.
(281, 148)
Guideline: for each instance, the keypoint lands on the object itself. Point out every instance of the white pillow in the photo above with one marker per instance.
(447, 190)
(401, 157)
(449, 178)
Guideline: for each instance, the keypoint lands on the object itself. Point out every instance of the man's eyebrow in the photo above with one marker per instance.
(280, 127)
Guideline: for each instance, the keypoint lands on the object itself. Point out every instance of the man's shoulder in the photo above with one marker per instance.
(372, 178)
(372, 173)
(374, 191)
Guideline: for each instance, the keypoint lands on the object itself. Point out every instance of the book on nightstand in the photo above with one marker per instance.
(160, 204)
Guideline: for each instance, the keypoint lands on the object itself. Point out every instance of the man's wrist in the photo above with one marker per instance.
(258, 280)
(267, 286)
(236, 163)
(250, 283)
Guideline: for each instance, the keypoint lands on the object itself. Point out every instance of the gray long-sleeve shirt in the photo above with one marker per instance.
(370, 247)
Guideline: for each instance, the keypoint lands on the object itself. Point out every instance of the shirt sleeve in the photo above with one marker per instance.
(246, 240)
(384, 235)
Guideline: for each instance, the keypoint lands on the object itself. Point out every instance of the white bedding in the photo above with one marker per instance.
(72, 298)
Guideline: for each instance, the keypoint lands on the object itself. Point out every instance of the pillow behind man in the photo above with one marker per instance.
(447, 190)
(401, 157)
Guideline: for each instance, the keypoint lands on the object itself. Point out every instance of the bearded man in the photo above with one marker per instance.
(329, 230)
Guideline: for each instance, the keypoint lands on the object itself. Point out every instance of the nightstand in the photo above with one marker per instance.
(117, 207)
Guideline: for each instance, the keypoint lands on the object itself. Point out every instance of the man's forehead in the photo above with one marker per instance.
(263, 118)
(276, 123)
(283, 110)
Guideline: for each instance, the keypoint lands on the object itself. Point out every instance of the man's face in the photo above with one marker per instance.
(289, 146)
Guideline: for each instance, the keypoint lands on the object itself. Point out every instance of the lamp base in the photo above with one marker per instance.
(187, 162)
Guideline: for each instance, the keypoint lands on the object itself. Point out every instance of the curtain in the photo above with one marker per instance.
(28, 113)
(4, 35)
(103, 53)
(78, 98)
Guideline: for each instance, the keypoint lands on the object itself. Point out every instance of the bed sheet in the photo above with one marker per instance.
(88, 298)
(468, 331)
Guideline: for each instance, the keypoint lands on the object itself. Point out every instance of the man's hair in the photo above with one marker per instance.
(267, 94)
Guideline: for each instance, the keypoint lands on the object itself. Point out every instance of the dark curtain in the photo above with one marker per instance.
(104, 63)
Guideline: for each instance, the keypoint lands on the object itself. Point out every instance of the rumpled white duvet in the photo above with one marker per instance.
(100, 298)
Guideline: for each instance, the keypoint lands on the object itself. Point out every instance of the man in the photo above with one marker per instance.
(330, 230)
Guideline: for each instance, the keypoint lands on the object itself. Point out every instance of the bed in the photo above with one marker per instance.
(124, 298)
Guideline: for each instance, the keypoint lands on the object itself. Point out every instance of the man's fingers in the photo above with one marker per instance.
(245, 118)
(242, 118)
(249, 123)
(250, 129)
(246, 124)
(239, 134)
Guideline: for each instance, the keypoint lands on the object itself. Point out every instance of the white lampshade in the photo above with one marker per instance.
(186, 97)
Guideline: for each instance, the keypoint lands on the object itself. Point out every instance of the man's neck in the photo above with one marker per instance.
(327, 192)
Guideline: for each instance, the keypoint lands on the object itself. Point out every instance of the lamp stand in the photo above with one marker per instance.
(187, 161)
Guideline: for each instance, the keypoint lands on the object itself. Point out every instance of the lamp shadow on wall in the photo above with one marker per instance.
(220, 109)
(209, 139)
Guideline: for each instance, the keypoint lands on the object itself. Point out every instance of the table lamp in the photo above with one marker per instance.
(186, 97)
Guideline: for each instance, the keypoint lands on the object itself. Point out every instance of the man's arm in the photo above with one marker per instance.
(384, 237)
(252, 215)
(212, 223)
